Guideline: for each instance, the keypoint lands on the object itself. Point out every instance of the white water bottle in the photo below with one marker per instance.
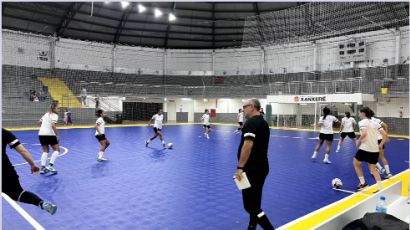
(381, 205)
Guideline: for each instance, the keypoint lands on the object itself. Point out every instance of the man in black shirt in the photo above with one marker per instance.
(253, 159)
(10, 180)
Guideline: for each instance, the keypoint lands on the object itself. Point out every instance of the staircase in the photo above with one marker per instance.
(60, 92)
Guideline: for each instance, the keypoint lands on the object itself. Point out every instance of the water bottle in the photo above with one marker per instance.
(381, 205)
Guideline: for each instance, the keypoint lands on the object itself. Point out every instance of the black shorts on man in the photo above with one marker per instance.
(207, 126)
(48, 140)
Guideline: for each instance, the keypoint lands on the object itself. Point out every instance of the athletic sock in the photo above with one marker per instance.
(314, 154)
(387, 169)
(362, 181)
(378, 166)
(327, 156)
(44, 158)
(100, 154)
(54, 157)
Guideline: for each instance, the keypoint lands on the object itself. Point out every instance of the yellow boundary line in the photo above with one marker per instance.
(184, 123)
(321, 215)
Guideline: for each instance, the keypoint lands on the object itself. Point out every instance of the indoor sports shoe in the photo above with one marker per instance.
(51, 169)
(49, 207)
(44, 170)
(146, 143)
(327, 161)
(388, 176)
(381, 171)
(360, 187)
(102, 159)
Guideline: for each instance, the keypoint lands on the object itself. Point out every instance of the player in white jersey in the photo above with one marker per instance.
(382, 156)
(205, 121)
(326, 133)
(368, 147)
(347, 129)
(158, 118)
(100, 135)
(48, 136)
(240, 121)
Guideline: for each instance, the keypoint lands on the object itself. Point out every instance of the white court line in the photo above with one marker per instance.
(351, 192)
(23, 213)
(59, 155)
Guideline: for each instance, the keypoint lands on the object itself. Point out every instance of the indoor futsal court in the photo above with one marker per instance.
(144, 105)
(187, 187)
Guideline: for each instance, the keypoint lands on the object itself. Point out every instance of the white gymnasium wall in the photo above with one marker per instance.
(188, 62)
(238, 61)
(200, 105)
(393, 108)
(290, 59)
(129, 59)
(23, 49)
(74, 54)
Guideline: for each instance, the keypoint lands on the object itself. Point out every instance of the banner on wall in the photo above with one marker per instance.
(294, 99)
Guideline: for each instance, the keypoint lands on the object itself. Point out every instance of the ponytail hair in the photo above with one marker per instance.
(326, 111)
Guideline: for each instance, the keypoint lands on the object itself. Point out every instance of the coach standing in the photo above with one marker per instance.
(253, 160)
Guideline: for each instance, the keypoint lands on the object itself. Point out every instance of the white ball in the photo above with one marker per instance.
(169, 145)
(337, 183)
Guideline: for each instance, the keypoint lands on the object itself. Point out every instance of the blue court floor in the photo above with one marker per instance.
(187, 187)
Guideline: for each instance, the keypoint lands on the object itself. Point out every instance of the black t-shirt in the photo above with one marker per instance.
(7, 139)
(256, 129)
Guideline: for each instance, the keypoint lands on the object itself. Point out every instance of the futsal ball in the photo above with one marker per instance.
(169, 145)
(337, 183)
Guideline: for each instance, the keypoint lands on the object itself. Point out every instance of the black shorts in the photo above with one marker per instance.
(156, 130)
(207, 126)
(48, 140)
(328, 137)
(380, 141)
(349, 134)
(368, 157)
(100, 137)
(240, 123)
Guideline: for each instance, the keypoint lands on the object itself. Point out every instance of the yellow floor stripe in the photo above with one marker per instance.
(335, 209)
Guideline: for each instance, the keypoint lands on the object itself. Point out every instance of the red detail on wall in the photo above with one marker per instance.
(213, 112)
(219, 80)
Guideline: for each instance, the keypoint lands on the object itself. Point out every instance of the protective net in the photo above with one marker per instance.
(314, 49)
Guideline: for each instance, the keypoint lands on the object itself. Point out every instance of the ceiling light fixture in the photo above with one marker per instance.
(141, 8)
(157, 13)
(124, 4)
(171, 17)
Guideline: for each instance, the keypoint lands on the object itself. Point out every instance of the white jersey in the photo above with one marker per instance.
(369, 143)
(327, 124)
(47, 122)
(205, 119)
(240, 117)
(348, 124)
(100, 125)
(158, 120)
(380, 122)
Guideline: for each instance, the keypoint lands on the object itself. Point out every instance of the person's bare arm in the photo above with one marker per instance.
(27, 156)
